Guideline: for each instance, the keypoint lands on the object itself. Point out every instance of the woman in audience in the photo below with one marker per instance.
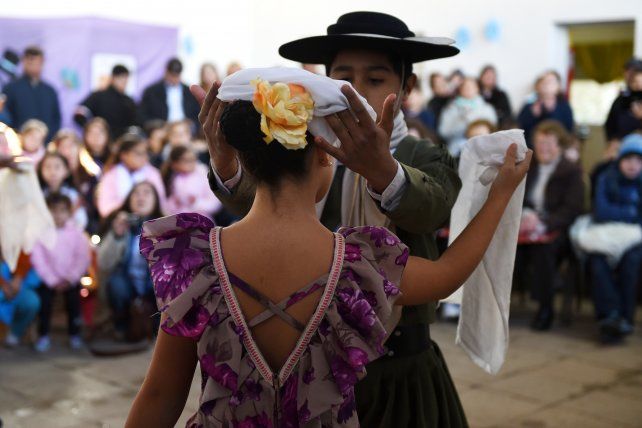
(549, 103)
(554, 198)
(121, 265)
(128, 165)
(95, 139)
(209, 75)
(156, 131)
(494, 96)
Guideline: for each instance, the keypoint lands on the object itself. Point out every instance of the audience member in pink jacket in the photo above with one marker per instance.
(130, 166)
(60, 269)
(186, 182)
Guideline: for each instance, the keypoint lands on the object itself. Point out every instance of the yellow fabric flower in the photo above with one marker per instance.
(285, 111)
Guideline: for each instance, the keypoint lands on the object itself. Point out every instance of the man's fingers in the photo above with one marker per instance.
(329, 148)
(207, 104)
(388, 114)
(350, 123)
(357, 106)
(199, 93)
(339, 129)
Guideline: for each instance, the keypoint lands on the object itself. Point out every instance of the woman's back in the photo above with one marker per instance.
(278, 263)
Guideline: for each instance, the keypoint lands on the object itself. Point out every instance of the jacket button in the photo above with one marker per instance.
(391, 353)
(397, 333)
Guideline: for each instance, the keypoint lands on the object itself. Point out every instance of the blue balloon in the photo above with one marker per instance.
(463, 38)
(492, 30)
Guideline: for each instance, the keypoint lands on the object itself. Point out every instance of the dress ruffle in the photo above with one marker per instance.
(320, 390)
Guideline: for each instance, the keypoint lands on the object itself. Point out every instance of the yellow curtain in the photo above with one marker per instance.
(602, 61)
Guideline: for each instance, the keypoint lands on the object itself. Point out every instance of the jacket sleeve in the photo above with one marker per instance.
(450, 124)
(605, 210)
(526, 119)
(237, 200)
(433, 186)
(611, 121)
(573, 205)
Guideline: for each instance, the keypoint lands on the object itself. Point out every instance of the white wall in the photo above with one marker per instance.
(251, 30)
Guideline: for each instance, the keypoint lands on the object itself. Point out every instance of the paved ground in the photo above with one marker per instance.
(558, 379)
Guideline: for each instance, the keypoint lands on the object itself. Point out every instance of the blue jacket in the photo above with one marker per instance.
(617, 198)
(7, 307)
(26, 101)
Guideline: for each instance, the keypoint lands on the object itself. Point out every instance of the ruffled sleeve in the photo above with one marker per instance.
(374, 263)
(180, 263)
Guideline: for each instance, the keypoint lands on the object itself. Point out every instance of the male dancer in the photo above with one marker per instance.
(397, 181)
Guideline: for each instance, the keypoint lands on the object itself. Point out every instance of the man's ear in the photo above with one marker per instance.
(410, 84)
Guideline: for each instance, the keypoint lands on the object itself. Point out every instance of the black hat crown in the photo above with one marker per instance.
(370, 23)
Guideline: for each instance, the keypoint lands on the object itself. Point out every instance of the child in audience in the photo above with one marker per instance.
(618, 198)
(54, 174)
(32, 139)
(156, 131)
(127, 166)
(60, 269)
(186, 183)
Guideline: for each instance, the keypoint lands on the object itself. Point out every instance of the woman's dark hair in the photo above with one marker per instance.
(166, 170)
(123, 145)
(69, 181)
(487, 67)
(127, 207)
(267, 163)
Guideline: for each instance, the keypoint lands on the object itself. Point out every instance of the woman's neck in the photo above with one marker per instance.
(293, 204)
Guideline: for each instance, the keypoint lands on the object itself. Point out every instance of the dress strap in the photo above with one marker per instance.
(272, 308)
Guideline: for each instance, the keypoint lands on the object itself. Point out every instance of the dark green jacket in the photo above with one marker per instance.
(431, 191)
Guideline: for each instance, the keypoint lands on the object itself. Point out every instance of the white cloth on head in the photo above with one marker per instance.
(485, 296)
(326, 93)
(24, 216)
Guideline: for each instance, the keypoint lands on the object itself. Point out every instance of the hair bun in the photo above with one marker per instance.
(241, 125)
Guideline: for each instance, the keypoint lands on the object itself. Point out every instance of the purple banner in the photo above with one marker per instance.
(79, 53)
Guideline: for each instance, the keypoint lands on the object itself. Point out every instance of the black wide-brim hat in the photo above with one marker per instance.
(368, 30)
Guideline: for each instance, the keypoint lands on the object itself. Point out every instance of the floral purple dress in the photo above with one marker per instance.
(315, 386)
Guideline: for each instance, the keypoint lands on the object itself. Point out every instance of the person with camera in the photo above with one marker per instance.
(123, 270)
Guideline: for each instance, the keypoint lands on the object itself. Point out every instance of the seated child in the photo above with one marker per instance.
(618, 198)
(60, 270)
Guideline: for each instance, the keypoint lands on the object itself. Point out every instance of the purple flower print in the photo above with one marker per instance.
(357, 357)
(253, 389)
(192, 324)
(355, 308)
(145, 246)
(259, 421)
(193, 221)
(222, 373)
(351, 275)
(324, 327)
(352, 253)
(347, 231)
(208, 407)
(343, 373)
(174, 268)
(289, 412)
(236, 399)
(347, 408)
(381, 235)
(308, 376)
(304, 413)
(390, 288)
(402, 259)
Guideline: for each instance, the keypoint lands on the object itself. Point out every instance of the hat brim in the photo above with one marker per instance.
(322, 49)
